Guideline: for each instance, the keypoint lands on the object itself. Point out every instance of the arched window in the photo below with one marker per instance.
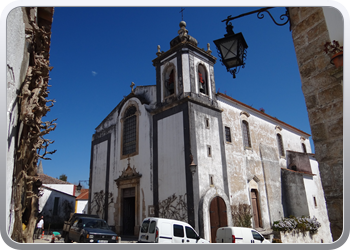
(202, 80)
(280, 145)
(246, 135)
(169, 82)
(129, 131)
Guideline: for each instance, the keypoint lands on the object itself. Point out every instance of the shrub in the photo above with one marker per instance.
(302, 224)
(241, 215)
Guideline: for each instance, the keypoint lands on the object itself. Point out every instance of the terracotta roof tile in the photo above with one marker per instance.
(84, 194)
(45, 179)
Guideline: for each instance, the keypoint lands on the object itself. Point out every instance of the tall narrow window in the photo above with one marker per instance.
(246, 135)
(209, 150)
(202, 80)
(304, 147)
(228, 134)
(280, 145)
(129, 131)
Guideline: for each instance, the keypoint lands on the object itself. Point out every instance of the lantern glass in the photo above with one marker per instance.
(231, 49)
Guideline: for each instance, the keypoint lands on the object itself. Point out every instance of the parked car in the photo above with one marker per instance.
(73, 217)
(239, 235)
(90, 230)
(160, 230)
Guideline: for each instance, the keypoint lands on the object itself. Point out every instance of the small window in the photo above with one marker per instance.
(280, 145)
(246, 135)
(209, 151)
(178, 231)
(315, 202)
(207, 124)
(228, 134)
(144, 227)
(152, 227)
(211, 180)
(190, 233)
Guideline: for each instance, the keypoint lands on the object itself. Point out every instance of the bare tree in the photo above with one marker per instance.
(32, 145)
(98, 203)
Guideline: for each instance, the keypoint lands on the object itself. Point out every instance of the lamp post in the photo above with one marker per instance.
(232, 49)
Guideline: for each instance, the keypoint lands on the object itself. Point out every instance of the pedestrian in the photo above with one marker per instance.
(40, 227)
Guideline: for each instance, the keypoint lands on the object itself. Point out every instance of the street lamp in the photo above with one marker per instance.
(232, 50)
(80, 186)
(192, 165)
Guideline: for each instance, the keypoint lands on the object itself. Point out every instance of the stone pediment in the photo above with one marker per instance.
(128, 174)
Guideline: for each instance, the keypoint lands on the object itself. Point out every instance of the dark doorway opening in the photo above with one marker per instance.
(128, 211)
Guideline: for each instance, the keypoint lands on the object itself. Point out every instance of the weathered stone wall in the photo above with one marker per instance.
(301, 237)
(294, 194)
(323, 91)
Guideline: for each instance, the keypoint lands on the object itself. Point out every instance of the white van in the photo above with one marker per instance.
(160, 230)
(239, 235)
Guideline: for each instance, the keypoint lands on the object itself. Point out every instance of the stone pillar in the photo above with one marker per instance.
(323, 92)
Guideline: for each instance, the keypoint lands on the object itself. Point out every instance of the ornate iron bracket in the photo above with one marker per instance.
(260, 15)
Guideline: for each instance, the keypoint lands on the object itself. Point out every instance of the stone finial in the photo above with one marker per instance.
(158, 52)
(208, 48)
(182, 31)
(132, 87)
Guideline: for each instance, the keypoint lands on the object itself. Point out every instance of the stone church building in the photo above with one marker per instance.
(180, 150)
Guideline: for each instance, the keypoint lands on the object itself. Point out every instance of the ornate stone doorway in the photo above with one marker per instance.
(127, 206)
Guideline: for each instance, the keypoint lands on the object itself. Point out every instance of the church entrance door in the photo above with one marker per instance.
(128, 211)
(255, 205)
(218, 216)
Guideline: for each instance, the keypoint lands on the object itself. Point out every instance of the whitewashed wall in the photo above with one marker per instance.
(171, 160)
(313, 188)
(208, 165)
(244, 164)
(80, 206)
(142, 161)
(65, 188)
(47, 201)
(16, 58)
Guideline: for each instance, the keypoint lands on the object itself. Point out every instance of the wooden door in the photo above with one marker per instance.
(255, 207)
(218, 216)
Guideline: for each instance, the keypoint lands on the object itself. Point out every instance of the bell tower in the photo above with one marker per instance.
(185, 70)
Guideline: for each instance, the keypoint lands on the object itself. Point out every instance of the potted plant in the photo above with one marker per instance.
(336, 52)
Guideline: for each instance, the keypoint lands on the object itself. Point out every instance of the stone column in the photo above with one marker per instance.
(323, 92)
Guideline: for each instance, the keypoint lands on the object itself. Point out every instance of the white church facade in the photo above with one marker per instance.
(180, 150)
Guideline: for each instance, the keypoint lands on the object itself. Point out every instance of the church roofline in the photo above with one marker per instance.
(262, 113)
(122, 102)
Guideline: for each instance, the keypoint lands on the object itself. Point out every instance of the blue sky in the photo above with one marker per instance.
(97, 52)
